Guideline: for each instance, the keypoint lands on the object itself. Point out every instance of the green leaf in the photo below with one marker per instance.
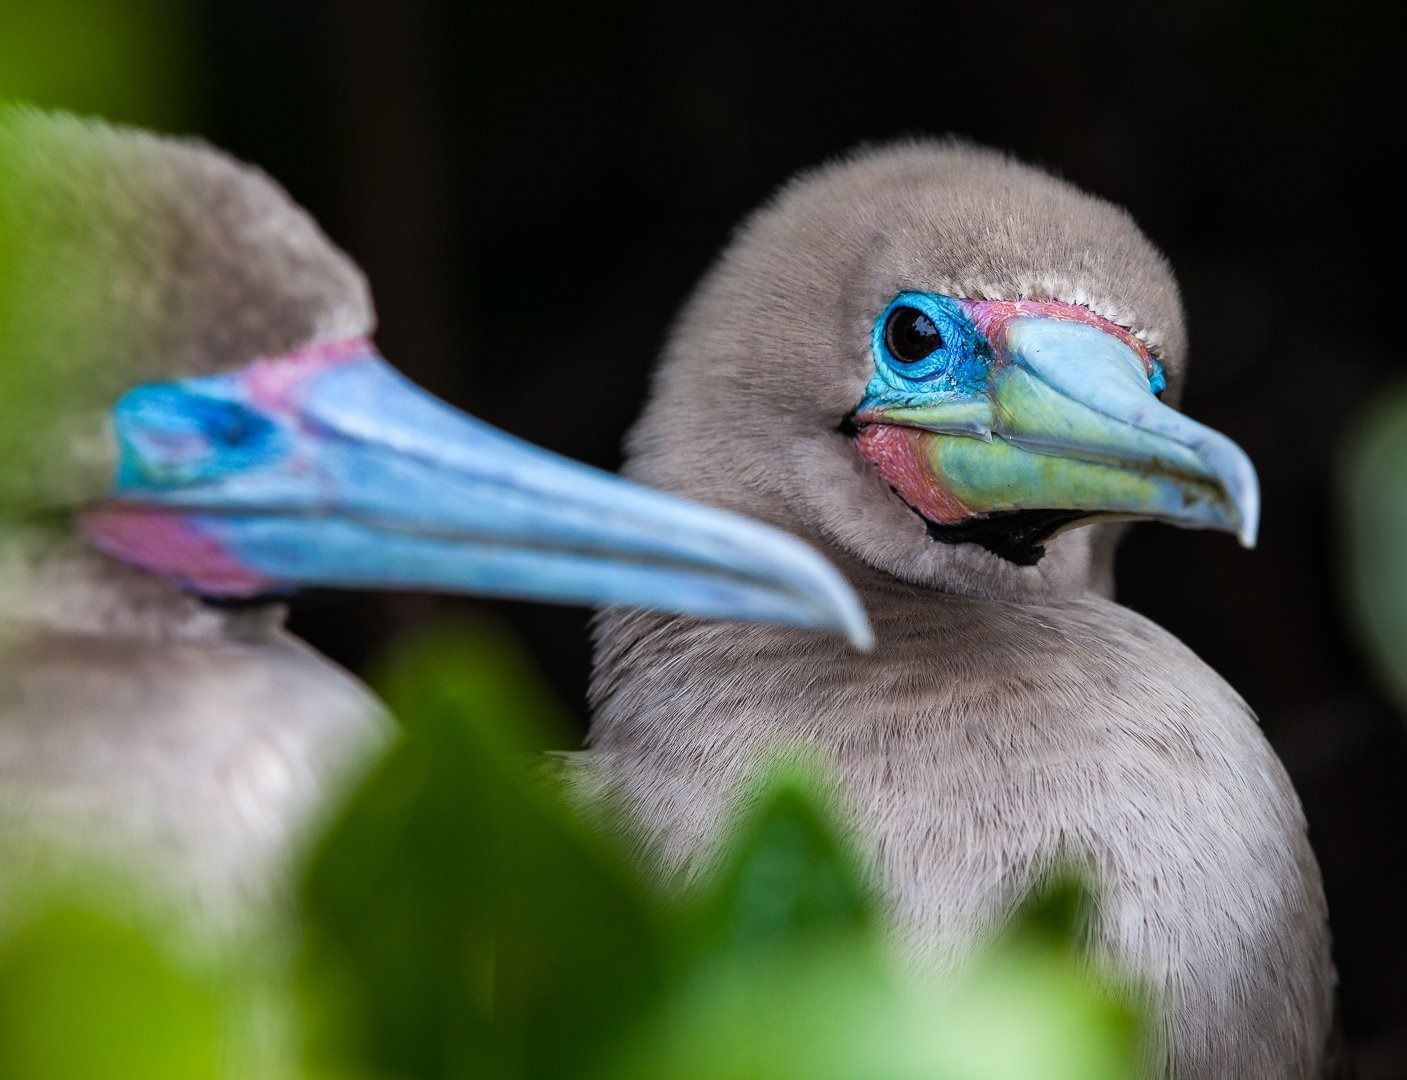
(131, 60)
(792, 981)
(1035, 1006)
(88, 995)
(835, 1010)
(1373, 520)
(1057, 914)
(790, 878)
(460, 919)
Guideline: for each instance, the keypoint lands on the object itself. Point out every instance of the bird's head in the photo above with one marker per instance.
(188, 372)
(942, 362)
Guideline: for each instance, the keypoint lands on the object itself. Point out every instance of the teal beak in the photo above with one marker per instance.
(1066, 421)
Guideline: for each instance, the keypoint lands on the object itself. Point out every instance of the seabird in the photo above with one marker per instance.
(193, 409)
(956, 375)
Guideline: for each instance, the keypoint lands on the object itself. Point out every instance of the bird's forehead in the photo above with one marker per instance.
(278, 384)
(963, 222)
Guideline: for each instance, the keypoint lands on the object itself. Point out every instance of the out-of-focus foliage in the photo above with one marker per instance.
(471, 924)
(790, 980)
(460, 919)
(1374, 517)
(88, 994)
(57, 317)
(131, 60)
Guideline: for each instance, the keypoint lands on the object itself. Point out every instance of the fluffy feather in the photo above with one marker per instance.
(1011, 716)
(136, 723)
(127, 256)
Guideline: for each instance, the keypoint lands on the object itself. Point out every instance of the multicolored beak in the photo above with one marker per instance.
(327, 467)
(1047, 417)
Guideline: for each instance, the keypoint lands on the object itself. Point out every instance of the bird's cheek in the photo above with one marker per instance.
(908, 460)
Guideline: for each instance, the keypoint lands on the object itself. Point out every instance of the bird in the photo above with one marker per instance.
(194, 420)
(955, 374)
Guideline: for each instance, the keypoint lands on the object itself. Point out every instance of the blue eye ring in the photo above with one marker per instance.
(1158, 381)
(176, 434)
(949, 326)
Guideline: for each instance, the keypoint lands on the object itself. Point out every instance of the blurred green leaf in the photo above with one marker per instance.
(462, 920)
(1055, 914)
(1035, 1005)
(473, 675)
(793, 981)
(128, 60)
(790, 878)
(86, 995)
(835, 1010)
(1373, 467)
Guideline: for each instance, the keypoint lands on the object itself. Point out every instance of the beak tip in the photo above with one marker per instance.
(861, 636)
(1249, 533)
(1248, 506)
(1230, 466)
(844, 614)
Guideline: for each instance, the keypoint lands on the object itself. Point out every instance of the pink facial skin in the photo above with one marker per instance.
(273, 382)
(899, 456)
(166, 544)
(166, 541)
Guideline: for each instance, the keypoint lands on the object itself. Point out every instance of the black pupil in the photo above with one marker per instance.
(911, 335)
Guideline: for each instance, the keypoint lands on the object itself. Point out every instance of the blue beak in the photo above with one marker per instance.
(329, 468)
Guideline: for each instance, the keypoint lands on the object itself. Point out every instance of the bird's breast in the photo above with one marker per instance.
(201, 761)
(979, 745)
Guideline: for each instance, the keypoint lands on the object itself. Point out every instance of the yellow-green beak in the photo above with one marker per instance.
(1066, 422)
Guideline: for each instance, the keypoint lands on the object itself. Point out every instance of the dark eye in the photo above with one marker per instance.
(911, 335)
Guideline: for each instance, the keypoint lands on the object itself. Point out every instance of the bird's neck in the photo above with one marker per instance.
(49, 579)
(662, 683)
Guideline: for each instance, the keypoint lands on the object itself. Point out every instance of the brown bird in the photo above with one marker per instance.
(954, 374)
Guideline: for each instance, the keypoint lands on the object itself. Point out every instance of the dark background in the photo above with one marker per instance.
(534, 190)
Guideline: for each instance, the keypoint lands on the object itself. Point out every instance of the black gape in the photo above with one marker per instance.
(1018, 536)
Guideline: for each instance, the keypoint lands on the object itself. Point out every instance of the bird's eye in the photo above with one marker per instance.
(171, 435)
(911, 335)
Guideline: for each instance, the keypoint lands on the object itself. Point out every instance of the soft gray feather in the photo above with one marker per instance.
(136, 723)
(1011, 717)
(127, 257)
(142, 728)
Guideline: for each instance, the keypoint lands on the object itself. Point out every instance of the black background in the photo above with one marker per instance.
(534, 190)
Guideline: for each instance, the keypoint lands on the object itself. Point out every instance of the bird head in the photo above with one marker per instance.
(942, 362)
(188, 372)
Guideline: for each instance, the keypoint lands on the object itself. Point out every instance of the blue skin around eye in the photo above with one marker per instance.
(1158, 381)
(959, 369)
(175, 434)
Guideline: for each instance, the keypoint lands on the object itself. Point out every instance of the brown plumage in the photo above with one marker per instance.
(1012, 716)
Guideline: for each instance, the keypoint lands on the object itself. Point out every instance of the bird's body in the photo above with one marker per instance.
(191, 408)
(985, 742)
(931, 361)
(149, 730)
